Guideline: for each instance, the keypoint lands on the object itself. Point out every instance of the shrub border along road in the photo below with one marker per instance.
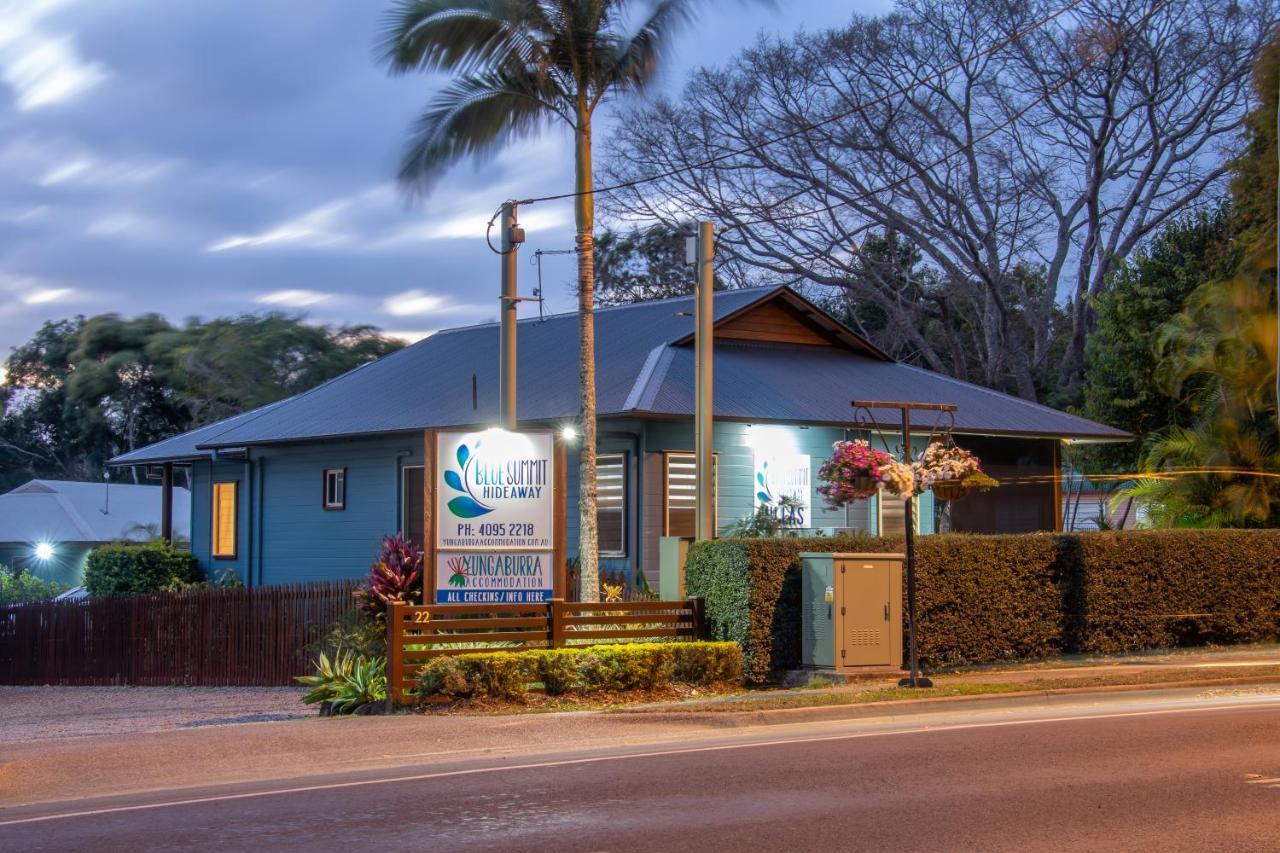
(987, 599)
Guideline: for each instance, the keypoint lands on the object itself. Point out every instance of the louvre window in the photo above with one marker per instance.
(611, 503)
(335, 488)
(224, 520)
(681, 493)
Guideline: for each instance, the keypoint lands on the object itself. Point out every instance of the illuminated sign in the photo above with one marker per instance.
(782, 484)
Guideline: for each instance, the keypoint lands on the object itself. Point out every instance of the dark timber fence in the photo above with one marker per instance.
(211, 637)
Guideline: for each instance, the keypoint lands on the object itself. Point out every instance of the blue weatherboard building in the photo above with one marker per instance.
(304, 489)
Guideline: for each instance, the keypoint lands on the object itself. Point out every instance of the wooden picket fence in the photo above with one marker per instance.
(418, 633)
(211, 637)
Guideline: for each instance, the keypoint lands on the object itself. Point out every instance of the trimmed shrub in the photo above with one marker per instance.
(132, 568)
(581, 671)
(985, 599)
(751, 590)
(706, 664)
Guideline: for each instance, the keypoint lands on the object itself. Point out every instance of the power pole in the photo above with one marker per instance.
(704, 398)
(512, 237)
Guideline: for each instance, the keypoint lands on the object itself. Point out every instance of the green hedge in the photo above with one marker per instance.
(135, 568)
(984, 599)
(581, 671)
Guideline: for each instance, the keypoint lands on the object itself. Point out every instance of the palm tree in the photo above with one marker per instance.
(519, 66)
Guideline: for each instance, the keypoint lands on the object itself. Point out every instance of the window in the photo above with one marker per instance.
(224, 520)
(611, 503)
(335, 488)
(411, 507)
(680, 490)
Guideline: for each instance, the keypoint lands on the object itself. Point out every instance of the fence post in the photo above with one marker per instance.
(556, 614)
(698, 606)
(395, 652)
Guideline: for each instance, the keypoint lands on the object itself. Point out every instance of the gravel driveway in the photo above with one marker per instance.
(33, 713)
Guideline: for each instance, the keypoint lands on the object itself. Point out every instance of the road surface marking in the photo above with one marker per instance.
(570, 762)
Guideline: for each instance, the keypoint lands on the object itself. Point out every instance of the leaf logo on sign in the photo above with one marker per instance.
(465, 505)
(764, 494)
(458, 567)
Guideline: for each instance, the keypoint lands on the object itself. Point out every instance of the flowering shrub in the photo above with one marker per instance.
(854, 471)
(396, 576)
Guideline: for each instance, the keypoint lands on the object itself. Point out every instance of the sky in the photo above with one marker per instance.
(206, 158)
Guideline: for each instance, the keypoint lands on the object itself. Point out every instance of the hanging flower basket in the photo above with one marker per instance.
(949, 490)
(852, 473)
(950, 472)
(864, 484)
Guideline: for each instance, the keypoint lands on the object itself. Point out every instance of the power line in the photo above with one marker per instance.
(799, 131)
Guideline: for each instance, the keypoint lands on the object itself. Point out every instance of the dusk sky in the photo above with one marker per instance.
(203, 158)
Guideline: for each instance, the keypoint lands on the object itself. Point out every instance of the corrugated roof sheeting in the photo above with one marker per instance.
(777, 382)
(429, 384)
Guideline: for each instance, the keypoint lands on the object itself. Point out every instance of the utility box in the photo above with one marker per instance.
(851, 612)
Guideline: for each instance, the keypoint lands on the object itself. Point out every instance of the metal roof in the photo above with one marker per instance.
(642, 368)
(71, 511)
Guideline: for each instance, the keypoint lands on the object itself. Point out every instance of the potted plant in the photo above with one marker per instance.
(951, 472)
(855, 471)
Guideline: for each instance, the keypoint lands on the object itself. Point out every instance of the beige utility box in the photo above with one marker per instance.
(851, 607)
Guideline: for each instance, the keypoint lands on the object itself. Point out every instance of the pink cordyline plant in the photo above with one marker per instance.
(855, 471)
(395, 577)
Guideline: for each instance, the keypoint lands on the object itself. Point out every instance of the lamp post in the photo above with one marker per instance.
(915, 679)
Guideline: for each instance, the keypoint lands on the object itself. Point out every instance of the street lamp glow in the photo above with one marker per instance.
(44, 551)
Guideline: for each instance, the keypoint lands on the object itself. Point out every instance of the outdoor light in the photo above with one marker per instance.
(568, 433)
(44, 551)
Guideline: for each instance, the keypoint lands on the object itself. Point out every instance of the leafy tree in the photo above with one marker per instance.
(1219, 355)
(1121, 387)
(642, 264)
(519, 66)
(230, 365)
(84, 390)
(1059, 153)
(1220, 351)
(22, 587)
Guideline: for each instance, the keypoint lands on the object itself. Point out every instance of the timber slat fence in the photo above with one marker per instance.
(418, 633)
(208, 637)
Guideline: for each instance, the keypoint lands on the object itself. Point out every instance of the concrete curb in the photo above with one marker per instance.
(898, 707)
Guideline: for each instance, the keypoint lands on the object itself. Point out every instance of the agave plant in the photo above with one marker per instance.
(346, 682)
(395, 577)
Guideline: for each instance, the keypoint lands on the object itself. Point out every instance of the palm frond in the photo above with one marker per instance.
(460, 35)
(635, 60)
(474, 116)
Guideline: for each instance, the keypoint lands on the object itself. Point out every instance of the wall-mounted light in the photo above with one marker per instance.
(568, 433)
(44, 551)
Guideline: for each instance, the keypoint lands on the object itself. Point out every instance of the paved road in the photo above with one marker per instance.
(1116, 774)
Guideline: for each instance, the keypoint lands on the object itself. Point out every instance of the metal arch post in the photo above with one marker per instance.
(915, 679)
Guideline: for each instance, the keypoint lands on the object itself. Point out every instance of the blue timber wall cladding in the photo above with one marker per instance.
(735, 447)
(284, 534)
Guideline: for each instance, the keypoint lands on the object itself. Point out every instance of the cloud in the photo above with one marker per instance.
(84, 169)
(293, 298)
(411, 303)
(45, 295)
(410, 336)
(42, 69)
